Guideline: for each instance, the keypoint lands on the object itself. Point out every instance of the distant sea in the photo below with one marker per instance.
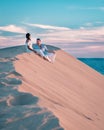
(95, 63)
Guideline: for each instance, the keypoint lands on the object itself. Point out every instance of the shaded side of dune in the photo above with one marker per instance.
(19, 110)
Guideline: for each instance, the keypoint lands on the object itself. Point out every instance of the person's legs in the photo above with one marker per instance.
(48, 56)
(40, 53)
(52, 56)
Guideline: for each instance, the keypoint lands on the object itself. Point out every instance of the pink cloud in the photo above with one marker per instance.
(13, 28)
(71, 40)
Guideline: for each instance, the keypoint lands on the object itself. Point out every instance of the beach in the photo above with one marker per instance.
(38, 95)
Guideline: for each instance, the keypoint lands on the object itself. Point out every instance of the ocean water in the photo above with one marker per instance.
(95, 63)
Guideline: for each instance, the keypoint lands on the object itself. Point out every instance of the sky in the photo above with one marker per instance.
(76, 26)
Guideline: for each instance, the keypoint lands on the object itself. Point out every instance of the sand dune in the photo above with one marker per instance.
(67, 94)
(18, 110)
(70, 89)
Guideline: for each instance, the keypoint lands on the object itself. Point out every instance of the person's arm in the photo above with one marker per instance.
(30, 45)
(30, 48)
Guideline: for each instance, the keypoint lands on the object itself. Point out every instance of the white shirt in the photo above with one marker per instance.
(29, 44)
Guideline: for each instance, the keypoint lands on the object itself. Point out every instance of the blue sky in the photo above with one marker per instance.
(77, 26)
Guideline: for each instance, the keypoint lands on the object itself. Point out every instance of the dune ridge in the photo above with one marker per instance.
(73, 91)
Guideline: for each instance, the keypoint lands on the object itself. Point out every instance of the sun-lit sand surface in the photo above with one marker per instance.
(67, 94)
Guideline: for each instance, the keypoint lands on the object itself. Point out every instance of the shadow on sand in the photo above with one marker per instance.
(19, 111)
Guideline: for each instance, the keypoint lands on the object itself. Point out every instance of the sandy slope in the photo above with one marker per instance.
(19, 110)
(70, 89)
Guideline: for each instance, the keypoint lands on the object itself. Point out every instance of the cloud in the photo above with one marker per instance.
(89, 24)
(101, 8)
(90, 50)
(82, 42)
(48, 27)
(61, 34)
(74, 35)
(99, 22)
(95, 8)
(6, 41)
(13, 28)
(93, 24)
(95, 48)
(2, 38)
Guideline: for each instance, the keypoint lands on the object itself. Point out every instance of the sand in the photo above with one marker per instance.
(69, 93)
(19, 110)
